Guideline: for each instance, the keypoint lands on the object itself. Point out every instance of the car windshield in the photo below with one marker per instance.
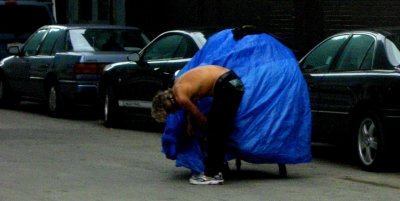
(107, 40)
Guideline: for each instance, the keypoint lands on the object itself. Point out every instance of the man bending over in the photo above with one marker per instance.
(227, 90)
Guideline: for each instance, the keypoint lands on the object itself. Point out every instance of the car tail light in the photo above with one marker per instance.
(88, 68)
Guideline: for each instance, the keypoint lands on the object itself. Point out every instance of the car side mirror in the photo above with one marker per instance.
(134, 57)
(14, 49)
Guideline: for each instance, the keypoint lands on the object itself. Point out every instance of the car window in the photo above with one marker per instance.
(106, 40)
(60, 45)
(320, 59)
(355, 53)
(369, 59)
(80, 42)
(32, 45)
(132, 40)
(393, 51)
(49, 42)
(164, 48)
(186, 49)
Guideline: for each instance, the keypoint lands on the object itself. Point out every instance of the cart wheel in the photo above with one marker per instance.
(282, 170)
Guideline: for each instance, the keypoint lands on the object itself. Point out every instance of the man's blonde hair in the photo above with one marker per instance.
(161, 102)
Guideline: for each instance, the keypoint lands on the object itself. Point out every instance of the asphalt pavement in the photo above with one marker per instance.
(77, 159)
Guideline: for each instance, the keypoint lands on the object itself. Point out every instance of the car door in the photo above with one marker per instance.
(20, 73)
(315, 66)
(44, 60)
(155, 71)
(340, 87)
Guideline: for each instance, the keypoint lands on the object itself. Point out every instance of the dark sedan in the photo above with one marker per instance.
(127, 88)
(61, 64)
(354, 83)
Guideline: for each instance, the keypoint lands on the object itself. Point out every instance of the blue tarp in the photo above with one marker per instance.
(273, 122)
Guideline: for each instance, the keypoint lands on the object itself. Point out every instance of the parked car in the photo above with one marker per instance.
(354, 83)
(19, 19)
(127, 88)
(61, 64)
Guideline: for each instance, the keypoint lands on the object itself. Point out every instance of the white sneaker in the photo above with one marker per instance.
(203, 179)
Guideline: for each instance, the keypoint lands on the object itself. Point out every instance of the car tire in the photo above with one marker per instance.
(55, 103)
(3, 93)
(370, 143)
(7, 98)
(110, 108)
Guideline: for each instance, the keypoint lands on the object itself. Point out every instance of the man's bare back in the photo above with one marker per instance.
(195, 84)
(198, 82)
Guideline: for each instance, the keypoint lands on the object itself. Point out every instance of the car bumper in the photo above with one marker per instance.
(80, 93)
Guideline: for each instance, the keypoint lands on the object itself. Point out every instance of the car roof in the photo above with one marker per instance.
(203, 29)
(207, 31)
(385, 31)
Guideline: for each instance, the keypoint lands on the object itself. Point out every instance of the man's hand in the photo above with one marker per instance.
(198, 121)
(189, 128)
(201, 120)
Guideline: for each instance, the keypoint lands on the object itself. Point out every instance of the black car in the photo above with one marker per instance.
(354, 83)
(127, 88)
(61, 65)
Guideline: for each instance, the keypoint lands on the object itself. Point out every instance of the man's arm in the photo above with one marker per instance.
(189, 87)
(189, 106)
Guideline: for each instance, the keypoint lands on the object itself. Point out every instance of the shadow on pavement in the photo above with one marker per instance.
(345, 156)
(146, 125)
(77, 113)
(333, 153)
(234, 175)
(90, 114)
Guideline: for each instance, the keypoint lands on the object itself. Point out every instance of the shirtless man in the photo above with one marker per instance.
(227, 90)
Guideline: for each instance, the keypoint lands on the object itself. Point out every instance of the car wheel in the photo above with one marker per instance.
(370, 144)
(2, 92)
(110, 108)
(54, 101)
(7, 98)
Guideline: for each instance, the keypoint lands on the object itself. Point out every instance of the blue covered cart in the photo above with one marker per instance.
(273, 122)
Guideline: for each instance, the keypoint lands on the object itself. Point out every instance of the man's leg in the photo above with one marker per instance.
(227, 98)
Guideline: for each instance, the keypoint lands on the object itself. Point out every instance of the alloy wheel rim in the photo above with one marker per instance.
(367, 141)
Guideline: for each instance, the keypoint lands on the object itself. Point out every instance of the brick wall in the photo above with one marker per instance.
(300, 23)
